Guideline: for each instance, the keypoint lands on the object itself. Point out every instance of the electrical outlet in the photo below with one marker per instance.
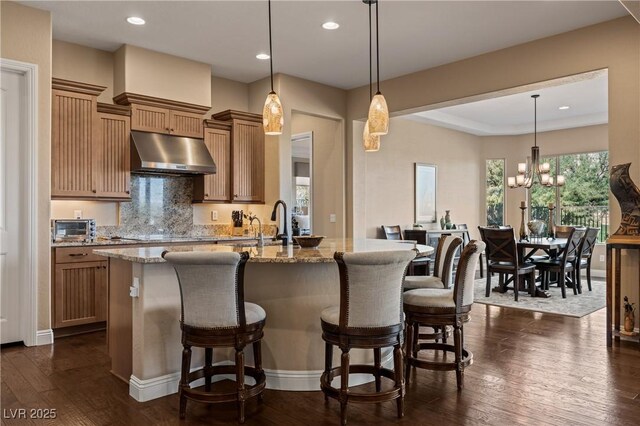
(602, 258)
(214, 214)
(77, 214)
(332, 218)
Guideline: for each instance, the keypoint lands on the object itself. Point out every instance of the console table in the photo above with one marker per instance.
(615, 245)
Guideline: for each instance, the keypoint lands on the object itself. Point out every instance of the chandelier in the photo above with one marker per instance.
(529, 173)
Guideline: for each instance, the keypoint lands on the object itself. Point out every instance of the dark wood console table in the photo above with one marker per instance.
(615, 245)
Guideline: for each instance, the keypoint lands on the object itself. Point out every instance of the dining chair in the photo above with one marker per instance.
(443, 269)
(394, 232)
(564, 264)
(502, 258)
(563, 231)
(586, 253)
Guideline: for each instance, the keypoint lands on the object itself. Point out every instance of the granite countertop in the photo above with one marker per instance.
(270, 253)
(145, 240)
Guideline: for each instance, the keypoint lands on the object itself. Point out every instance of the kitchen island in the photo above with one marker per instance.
(292, 284)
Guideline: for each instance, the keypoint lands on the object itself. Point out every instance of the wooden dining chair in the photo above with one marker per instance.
(394, 232)
(563, 231)
(564, 264)
(586, 253)
(465, 240)
(502, 258)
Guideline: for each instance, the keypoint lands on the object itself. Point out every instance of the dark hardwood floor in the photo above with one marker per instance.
(529, 368)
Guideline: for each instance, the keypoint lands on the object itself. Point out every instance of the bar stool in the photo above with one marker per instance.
(369, 317)
(214, 314)
(443, 268)
(442, 307)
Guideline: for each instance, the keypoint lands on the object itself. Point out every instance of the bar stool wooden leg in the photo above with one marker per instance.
(409, 350)
(397, 361)
(457, 339)
(208, 361)
(344, 385)
(184, 379)
(378, 364)
(240, 383)
(416, 336)
(328, 362)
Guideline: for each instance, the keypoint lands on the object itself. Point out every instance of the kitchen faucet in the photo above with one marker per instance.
(259, 237)
(285, 235)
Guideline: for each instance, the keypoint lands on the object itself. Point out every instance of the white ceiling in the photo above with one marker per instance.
(513, 114)
(414, 35)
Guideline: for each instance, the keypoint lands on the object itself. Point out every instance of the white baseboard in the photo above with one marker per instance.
(44, 337)
(147, 389)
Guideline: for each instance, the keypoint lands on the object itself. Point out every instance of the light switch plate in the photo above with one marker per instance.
(77, 214)
(214, 214)
(332, 218)
(602, 258)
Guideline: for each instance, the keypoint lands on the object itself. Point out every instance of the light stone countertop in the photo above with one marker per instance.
(270, 253)
(151, 241)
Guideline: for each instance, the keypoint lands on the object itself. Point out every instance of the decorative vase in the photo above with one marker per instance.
(629, 322)
(447, 218)
(442, 222)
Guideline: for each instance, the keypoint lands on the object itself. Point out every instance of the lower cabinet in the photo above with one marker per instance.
(80, 292)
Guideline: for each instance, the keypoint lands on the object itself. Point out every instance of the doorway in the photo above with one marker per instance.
(17, 202)
(302, 196)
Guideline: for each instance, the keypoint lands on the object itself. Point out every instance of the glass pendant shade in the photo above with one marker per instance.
(520, 180)
(522, 168)
(545, 168)
(378, 116)
(371, 143)
(272, 115)
(544, 178)
(511, 181)
(560, 180)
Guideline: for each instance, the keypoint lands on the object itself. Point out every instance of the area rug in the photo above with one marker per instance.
(573, 306)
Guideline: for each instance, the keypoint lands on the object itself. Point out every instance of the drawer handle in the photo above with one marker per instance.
(206, 195)
(79, 254)
(94, 191)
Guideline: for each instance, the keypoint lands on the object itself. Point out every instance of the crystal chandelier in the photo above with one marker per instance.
(529, 173)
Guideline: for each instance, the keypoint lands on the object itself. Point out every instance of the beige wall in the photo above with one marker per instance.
(228, 94)
(327, 182)
(389, 174)
(26, 37)
(612, 45)
(80, 63)
(299, 96)
(150, 73)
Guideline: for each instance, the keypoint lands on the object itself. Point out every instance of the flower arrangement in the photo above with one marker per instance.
(629, 308)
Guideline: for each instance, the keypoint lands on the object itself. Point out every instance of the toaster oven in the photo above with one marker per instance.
(82, 230)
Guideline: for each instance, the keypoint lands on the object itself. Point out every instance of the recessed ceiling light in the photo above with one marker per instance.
(330, 25)
(135, 20)
(262, 56)
(563, 107)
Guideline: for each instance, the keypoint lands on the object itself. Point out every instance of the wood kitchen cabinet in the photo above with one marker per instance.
(113, 153)
(157, 115)
(247, 156)
(79, 287)
(74, 130)
(89, 144)
(216, 187)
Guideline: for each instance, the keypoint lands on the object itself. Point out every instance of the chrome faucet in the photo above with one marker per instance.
(251, 217)
(285, 235)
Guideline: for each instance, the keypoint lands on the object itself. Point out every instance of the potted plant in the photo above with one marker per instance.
(629, 315)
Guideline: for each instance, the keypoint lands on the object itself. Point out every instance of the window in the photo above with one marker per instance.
(584, 200)
(495, 192)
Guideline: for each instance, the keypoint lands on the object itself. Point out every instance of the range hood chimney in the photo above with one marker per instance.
(160, 153)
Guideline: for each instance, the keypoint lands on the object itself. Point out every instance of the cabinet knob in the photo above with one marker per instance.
(206, 195)
(235, 195)
(94, 191)
(171, 130)
(127, 191)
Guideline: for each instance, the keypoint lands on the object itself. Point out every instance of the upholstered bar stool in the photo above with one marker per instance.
(442, 307)
(214, 314)
(369, 317)
(443, 268)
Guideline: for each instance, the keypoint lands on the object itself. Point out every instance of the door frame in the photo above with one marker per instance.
(29, 292)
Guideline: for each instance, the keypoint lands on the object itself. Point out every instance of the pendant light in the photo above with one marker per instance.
(378, 110)
(371, 142)
(272, 113)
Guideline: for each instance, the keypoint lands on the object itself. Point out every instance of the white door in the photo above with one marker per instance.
(12, 251)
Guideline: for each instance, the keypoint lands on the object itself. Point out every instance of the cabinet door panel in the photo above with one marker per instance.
(74, 127)
(114, 152)
(185, 124)
(149, 119)
(217, 187)
(80, 293)
(248, 161)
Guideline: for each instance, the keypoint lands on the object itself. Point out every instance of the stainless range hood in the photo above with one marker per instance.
(159, 153)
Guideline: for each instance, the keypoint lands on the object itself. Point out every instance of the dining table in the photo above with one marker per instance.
(551, 246)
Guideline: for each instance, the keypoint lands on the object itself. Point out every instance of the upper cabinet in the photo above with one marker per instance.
(240, 162)
(149, 114)
(89, 145)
